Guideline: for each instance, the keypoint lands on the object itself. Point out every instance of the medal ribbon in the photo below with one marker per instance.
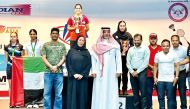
(33, 48)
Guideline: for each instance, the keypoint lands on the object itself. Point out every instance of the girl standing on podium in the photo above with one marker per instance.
(78, 24)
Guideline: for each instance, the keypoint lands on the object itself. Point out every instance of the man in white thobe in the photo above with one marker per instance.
(106, 67)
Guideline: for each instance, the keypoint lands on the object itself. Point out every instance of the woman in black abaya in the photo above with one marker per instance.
(78, 63)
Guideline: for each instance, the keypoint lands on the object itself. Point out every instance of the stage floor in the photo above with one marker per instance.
(4, 103)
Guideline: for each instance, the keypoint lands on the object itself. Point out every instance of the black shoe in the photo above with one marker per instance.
(11, 106)
(125, 93)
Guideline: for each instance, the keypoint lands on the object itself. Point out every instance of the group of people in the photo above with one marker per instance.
(32, 49)
(110, 60)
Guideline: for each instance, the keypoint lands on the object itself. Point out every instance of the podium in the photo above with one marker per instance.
(90, 85)
(126, 101)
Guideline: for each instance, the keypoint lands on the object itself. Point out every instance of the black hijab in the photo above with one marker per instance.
(123, 35)
(83, 48)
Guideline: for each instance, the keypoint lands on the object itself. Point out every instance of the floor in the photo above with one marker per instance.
(4, 103)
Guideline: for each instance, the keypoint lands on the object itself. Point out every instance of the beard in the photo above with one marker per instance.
(54, 38)
(106, 37)
(175, 45)
(153, 44)
(165, 51)
(137, 44)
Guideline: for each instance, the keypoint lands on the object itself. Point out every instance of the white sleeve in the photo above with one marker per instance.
(118, 61)
(94, 63)
(25, 46)
(156, 58)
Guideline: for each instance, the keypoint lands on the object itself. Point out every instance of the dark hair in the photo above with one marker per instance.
(78, 39)
(175, 36)
(78, 5)
(17, 41)
(76, 44)
(165, 40)
(54, 29)
(33, 31)
(136, 35)
(121, 21)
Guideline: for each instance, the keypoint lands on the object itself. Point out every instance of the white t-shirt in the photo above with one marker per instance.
(38, 47)
(166, 65)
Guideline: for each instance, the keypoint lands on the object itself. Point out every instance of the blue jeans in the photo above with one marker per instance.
(150, 85)
(139, 84)
(169, 89)
(53, 81)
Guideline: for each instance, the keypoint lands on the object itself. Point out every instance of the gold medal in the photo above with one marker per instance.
(33, 54)
(33, 49)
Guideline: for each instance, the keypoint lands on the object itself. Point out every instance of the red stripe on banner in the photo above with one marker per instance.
(4, 93)
(17, 86)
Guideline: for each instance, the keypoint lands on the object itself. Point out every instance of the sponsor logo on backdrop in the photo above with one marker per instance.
(178, 12)
(17, 9)
(3, 81)
(4, 29)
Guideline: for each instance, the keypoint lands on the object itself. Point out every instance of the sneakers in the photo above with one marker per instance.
(15, 106)
(41, 105)
(11, 106)
(29, 106)
(35, 106)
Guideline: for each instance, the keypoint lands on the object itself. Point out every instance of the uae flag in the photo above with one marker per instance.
(27, 81)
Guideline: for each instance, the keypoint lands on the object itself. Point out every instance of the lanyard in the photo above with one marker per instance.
(13, 51)
(33, 48)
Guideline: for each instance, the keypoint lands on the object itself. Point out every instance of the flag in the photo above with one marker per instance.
(27, 74)
(66, 34)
